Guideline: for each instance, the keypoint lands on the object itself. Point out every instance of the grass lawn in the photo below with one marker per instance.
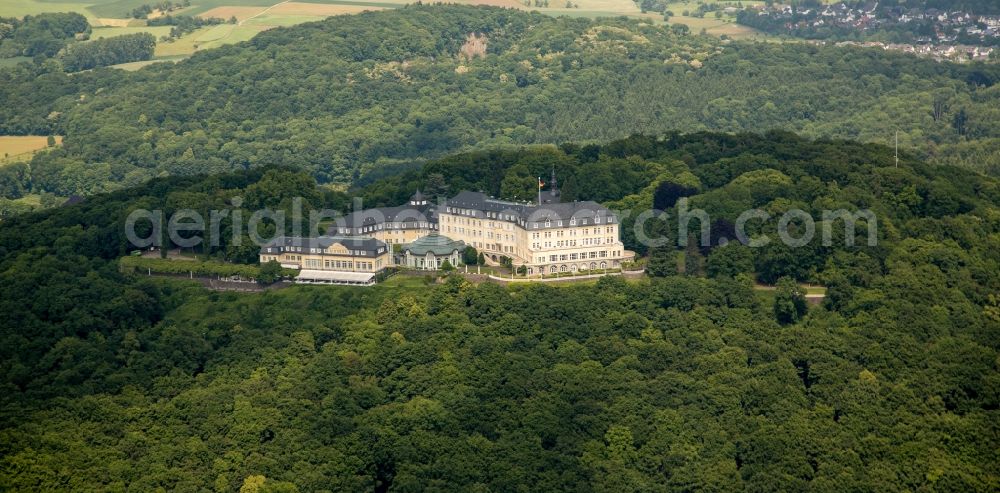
(13, 61)
(404, 281)
(19, 148)
(31, 199)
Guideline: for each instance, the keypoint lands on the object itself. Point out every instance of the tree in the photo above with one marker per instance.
(694, 262)
(730, 260)
(50, 141)
(668, 193)
(446, 266)
(789, 301)
(270, 272)
(435, 186)
(662, 262)
(470, 256)
(958, 123)
(838, 292)
(109, 51)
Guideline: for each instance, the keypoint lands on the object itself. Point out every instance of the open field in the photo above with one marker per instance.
(611, 6)
(107, 32)
(17, 148)
(205, 38)
(118, 9)
(131, 66)
(21, 8)
(112, 22)
(496, 3)
(199, 7)
(240, 13)
(31, 199)
(268, 21)
(317, 9)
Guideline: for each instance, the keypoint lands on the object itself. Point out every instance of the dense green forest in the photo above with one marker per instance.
(40, 35)
(109, 51)
(677, 382)
(353, 95)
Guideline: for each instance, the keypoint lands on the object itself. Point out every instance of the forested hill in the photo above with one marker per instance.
(111, 381)
(353, 94)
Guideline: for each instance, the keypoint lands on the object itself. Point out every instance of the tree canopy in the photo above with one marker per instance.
(115, 381)
(360, 96)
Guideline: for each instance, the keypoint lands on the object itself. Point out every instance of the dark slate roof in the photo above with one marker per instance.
(478, 204)
(550, 196)
(434, 243)
(369, 247)
(479, 201)
(584, 212)
(379, 215)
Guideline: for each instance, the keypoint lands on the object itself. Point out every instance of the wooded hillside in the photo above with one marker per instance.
(354, 94)
(112, 381)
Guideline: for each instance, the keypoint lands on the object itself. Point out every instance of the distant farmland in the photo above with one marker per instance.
(112, 17)
(20, 148)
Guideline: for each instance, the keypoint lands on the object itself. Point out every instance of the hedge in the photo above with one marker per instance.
(197, 267)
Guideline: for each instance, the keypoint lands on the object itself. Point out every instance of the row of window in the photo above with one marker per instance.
(478, 233)
(341, 264)
(572, 222)
(534, 225)
(572, 243)
(320, 251)
(381, 226)
(476, 222)
(571, 268)
(388, 226)
(581, 256)
(573, 232)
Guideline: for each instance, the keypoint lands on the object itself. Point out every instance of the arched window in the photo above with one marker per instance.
(593, 265)
(604, 265)
(562, 268)
(552, 269)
